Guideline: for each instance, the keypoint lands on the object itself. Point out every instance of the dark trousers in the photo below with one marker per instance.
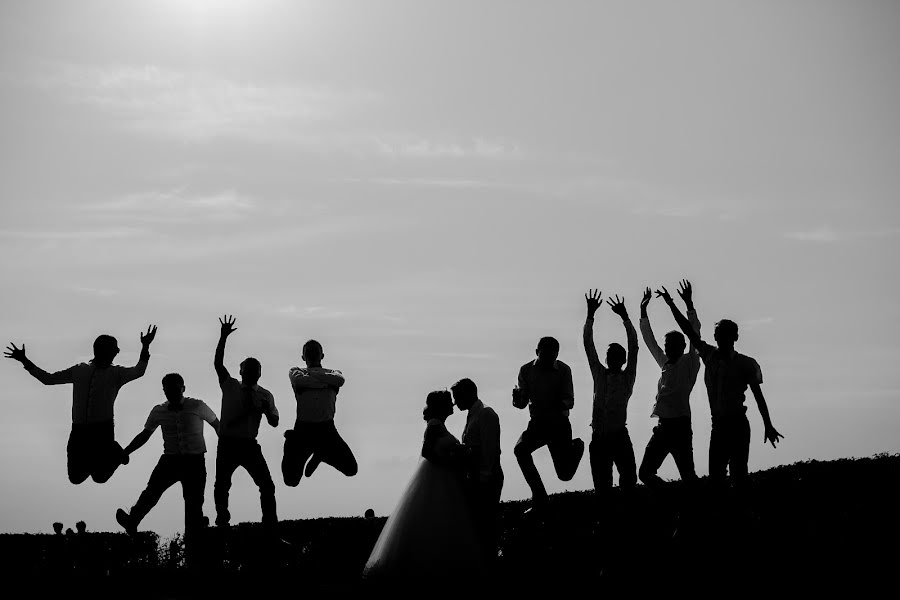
(190, 470)
(729, 448)
(92, 452)
(238, 452)
(556, 434)
(670, 436)
(608, 449)
(484, 499)
(321, 439)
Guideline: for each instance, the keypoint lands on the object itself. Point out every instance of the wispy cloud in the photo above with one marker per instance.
(312, 312)
(463, 355)
(114, 233)
(199, 107)
(175, 206)
(90, 291)
(826, 234)
(756, 323)
(401, 146)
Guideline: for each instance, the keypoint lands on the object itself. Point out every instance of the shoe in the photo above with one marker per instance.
(578, 450)
(127, 523)
(312, 465)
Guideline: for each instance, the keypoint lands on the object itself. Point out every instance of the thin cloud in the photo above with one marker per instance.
(416, 147)
(463, 355)
(200, 107)
(826, 234)
(176, 206)
(756, 323)
(102, 293)
(312, 312)
(115, 233)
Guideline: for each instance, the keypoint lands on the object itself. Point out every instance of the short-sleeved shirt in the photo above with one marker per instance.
(316, 390)
(242, 409)
(94, 389)
(182, 429)
(727, 379)
(549, 390)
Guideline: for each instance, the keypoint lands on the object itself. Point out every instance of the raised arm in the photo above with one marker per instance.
(127, 374)
(618, 307)
(227, 327)
(770, 434)
(686, 291)
(64, 376)
(647, 332)
(593, 301)
(683, 323)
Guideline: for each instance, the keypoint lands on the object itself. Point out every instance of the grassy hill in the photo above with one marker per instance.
(815, 525)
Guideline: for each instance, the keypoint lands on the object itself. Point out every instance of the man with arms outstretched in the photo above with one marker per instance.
(545, 387)
(727, 377)
(244, 403)
(92, 450)
(613, 386)
(672, 434)
(314, 437)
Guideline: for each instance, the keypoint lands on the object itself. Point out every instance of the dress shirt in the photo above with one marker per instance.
(182, 429)
(673, 390)
(482, 434)
(727, 377)
(549, 390)
(612, 390)
(94, 388)
(315, 389)
(242, 409)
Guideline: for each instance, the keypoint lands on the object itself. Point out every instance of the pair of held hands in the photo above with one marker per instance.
(594, 301)
(18, 354)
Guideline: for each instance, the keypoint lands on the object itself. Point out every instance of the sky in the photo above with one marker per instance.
(428, 188)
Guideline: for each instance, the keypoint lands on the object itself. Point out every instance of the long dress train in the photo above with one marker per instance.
(431, 528)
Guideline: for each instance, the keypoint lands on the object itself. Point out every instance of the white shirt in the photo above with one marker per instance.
(673, 391)
(94, 389)
(182, 429)
(315, 389)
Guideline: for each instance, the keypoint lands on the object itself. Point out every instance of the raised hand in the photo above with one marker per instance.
(772, 436)
(618, 306)
(227, 322)
(685, 291)
(646, 299)
(663, 293)
(15, 353)
(592, 298)
(147, 338)
(518, 400)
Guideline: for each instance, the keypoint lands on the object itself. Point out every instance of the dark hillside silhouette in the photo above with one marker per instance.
(815, 525)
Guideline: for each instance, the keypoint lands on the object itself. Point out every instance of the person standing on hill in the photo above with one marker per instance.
(92, 450)
(314, 438)
(672, 434)
(484, 476)
(613, 386)
(727, 377)
(545, 387)
(244, 403)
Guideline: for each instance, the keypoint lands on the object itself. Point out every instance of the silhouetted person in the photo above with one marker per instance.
(369, 514)
(314, 437)
(183, 460)
(92, 450)
(727, 377)
(484, 476)
(672, 434)
(545, 387)
(57, 528)
(244, 403)
(613, 386)
(81, 527)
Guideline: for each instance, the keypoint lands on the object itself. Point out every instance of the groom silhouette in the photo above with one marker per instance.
(484, 477)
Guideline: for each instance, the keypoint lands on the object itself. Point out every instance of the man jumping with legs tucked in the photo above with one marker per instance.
(545, 387)
(314, 437)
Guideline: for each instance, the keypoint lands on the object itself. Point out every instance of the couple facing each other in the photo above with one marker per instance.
(448, 514)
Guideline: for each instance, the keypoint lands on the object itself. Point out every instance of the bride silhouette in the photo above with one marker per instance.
(431, 528)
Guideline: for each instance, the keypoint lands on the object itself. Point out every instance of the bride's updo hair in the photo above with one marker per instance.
(438, 405)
